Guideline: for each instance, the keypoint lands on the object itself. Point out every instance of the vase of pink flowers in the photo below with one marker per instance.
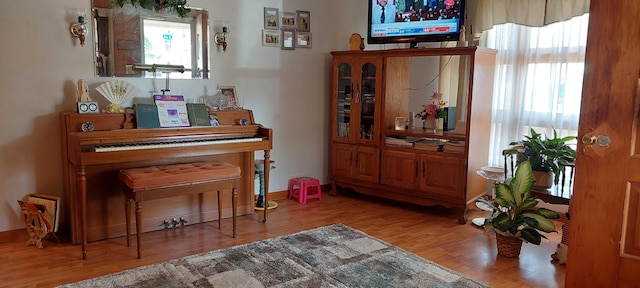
(431, 112)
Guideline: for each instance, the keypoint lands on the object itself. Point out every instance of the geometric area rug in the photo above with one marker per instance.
(330, 256)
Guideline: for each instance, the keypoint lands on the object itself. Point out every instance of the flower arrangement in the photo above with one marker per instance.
(433, 110)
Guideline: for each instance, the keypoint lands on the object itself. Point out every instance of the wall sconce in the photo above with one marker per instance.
(79, 29)
(221, 38)
(165, 68)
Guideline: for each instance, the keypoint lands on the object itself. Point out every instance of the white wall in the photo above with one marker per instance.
(40, 62)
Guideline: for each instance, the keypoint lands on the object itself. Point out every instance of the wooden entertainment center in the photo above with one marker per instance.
(370, 89)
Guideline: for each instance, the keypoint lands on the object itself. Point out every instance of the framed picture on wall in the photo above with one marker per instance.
(304, 20)
(303, 39)
(271, 18)
(270, 38)
(288, 20)
(288, 40)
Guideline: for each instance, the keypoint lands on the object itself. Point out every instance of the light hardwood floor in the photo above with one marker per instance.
(430, 232)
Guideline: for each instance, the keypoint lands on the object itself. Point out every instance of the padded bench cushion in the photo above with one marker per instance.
(177, 174)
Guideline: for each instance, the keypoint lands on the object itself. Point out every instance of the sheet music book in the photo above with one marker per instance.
(146, 115)
(172, 110)
(198, 114)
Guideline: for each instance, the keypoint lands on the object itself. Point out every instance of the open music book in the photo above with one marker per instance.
(172, 110)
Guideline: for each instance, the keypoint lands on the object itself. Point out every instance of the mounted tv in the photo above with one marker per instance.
(414, 21)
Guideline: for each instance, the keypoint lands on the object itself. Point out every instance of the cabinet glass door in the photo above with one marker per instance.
(345, 90)
(366, 99)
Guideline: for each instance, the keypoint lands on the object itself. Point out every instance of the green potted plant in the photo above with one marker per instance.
(548, 156)
(178, 6)
(514, 215)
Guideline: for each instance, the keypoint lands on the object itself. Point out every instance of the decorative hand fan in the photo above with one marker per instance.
(117, 92)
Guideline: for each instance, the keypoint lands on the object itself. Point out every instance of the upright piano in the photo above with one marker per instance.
(96, 146)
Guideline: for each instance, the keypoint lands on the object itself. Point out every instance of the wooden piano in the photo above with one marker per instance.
(92, 160)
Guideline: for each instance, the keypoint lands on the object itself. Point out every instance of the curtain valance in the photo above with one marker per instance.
(483, 14)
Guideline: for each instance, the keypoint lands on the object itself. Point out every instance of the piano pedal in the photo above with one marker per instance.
(175, 222)
(183, 221)
(166, 224)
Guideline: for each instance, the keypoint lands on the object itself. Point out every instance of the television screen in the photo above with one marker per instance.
(413, 21)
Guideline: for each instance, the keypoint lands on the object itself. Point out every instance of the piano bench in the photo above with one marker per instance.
(156, 182)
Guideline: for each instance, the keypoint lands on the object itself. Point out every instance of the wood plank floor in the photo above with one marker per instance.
(430, 232)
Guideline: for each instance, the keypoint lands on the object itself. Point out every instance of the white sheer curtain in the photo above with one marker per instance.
(538, 81)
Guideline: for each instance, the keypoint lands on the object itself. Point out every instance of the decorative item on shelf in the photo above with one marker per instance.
(356, 42)
(515, 216)
(431, 112)
(83, 100)
(175, 6)
(231, 97)
(221, 101)
(400, 123)
(221, 37)
(79, 29)
(117, 92)
(410, 120)
(82, 91)
(548, 156)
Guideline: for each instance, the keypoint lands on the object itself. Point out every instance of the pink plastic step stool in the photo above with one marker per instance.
(300, 188)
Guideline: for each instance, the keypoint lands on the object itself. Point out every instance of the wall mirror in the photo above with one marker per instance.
(131, 35)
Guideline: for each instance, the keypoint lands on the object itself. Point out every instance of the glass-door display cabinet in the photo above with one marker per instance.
(375, 92)
(355, 117)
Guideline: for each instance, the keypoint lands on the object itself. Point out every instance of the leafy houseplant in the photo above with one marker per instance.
(178, 6)
(546, 154)
(514, 212)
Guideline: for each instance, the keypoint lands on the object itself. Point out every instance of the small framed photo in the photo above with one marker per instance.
(271, 18)
(304, 20)
(271, 38)
(303, 39)
(288, 20)
(400, 123)
(230, 93)
(288, 40)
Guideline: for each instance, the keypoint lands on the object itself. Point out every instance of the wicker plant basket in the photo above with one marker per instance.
(508, 246)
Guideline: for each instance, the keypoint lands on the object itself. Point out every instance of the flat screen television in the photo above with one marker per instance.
(414, 21)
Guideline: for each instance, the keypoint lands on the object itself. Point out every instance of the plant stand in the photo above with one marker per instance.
(508, 246)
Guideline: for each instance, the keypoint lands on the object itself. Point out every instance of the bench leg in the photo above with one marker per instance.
(234, 204)
(139, 227)
(127, 217)
(219, 210)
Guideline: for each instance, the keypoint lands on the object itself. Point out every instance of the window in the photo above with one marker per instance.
(538, 80)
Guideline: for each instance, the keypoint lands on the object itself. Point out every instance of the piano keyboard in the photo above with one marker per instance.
(156, 145)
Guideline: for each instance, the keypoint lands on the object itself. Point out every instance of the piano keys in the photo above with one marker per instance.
(173, 144)
(92, 160)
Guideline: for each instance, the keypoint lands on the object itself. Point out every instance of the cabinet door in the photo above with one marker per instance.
(442, 175)
(399, 169)
(355, 99)
(367, 164)
(366, 99)
(342, 159)
(342, 100)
